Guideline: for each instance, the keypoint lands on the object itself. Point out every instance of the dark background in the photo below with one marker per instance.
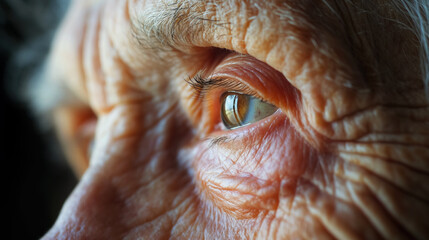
(36, 177)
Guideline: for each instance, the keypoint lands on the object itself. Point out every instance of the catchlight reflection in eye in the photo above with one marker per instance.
(238, 110)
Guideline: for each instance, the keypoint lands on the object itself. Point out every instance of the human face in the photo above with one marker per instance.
(344, 156)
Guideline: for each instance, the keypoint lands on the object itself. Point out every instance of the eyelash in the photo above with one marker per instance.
(203, 85)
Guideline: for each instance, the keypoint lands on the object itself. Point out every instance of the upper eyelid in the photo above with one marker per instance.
(202, 85)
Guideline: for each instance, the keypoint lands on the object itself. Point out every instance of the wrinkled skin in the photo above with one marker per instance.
(346, 157)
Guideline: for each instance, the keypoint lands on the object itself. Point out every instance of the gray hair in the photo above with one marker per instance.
(418, 12)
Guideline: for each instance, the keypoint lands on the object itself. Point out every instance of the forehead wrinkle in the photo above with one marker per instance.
(172, 25)
(169, 26)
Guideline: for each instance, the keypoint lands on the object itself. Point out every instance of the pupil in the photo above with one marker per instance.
(234, 109)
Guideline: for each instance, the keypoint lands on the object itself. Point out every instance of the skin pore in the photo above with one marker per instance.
(345, 156)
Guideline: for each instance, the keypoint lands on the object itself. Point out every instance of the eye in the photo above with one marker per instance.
(238, 109)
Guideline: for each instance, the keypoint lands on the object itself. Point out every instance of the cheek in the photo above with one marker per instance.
(245, 173)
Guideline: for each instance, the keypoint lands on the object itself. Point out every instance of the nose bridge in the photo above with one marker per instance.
(132, 165)
(111, 201)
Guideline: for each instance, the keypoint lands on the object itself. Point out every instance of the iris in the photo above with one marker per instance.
(238, 109)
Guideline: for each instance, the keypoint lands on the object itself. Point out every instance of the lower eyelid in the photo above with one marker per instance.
(218, 140)
(221, 136)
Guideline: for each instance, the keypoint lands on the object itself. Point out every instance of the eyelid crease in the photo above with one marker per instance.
(202, 85)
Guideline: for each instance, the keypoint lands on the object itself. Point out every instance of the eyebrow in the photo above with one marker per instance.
(174, 25)
(186, 24)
